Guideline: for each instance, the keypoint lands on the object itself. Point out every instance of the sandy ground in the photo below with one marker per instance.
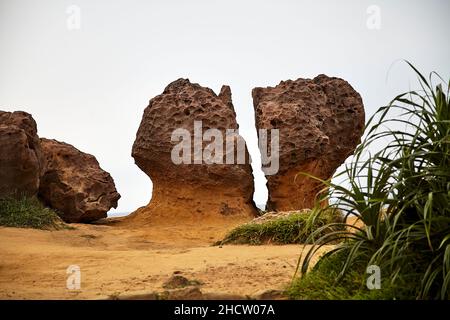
(117, 259)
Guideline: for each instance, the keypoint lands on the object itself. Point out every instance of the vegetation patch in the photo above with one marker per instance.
(293, 228)
(401, 193)
(321, 283)
(28, 212)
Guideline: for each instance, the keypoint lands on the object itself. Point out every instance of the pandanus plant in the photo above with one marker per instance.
(400, 193)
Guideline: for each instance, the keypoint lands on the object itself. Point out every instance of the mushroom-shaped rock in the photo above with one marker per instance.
(320, 123)
(21, 160)
(188, 145)
(74, 184)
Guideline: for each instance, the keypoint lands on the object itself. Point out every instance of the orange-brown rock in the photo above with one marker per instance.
(74, 184)
(21, 161)
(191, 190)
(320, 121)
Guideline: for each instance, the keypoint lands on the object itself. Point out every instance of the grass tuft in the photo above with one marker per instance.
(320, 283)
(294, 228)
(28, 212)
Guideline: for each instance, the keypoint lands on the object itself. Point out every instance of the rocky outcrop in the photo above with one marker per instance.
(74, 184)
(21, 161)
(203, 184)
(320, 123)
(65, 178)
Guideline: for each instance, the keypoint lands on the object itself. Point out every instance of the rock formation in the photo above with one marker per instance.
(21, 161)
(74, 184)
(320, 123)
(193, 188)
(65, 178)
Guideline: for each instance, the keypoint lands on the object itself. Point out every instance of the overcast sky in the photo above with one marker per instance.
(87, 84)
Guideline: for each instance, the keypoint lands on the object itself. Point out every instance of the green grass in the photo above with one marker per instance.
(295, 228)
(28, 212)
(401, 193)
(320, 283)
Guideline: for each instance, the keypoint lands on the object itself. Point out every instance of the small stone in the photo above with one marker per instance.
(271, 295)
(176, 281)
(193, 293)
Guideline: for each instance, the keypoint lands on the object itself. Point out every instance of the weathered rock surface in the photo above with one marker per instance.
(74, 184)
(21, 160)
(192, 189)
(320, 121)
(194, 293)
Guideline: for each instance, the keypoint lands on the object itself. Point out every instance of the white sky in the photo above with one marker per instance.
(89, 87)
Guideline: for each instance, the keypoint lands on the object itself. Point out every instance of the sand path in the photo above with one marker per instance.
(116, 259)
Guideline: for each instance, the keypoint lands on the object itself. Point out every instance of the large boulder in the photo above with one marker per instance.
(74, 184)
(207, 188)
(320, 123)
(21, 160)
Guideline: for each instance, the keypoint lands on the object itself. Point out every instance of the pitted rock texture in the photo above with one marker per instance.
(320, 121)
(21, 160)
(195, 190)
(74, 184)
